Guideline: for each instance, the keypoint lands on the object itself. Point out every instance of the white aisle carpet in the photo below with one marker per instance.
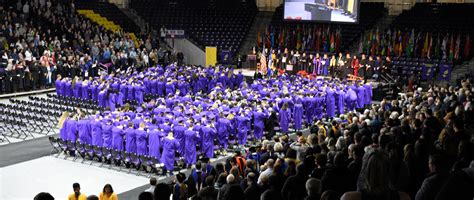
(54, 175)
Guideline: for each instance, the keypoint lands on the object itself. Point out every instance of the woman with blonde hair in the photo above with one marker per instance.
(62, 125)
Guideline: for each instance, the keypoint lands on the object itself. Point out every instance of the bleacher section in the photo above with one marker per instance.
(370, 13)
(223, 24)
(109, 11)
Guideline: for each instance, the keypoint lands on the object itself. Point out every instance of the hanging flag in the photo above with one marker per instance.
(467, 47)
(425, 46)
(437, 47)
(409, 48)
(444, 47)
(451, 48)
(458, 44)
(259, 37)
(430, 46)
(332, 42)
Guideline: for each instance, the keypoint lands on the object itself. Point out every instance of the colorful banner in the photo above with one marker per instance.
(427, 71)
(225, 57)
(211, 56)
(445, 72)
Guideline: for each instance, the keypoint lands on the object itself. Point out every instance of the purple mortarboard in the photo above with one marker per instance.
(188, 112)
(180, 119)
(139, 109)
(212, 116)
(147, 114)
(225, 113)
(167, 110)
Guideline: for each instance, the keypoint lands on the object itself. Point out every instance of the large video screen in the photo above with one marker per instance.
(344, 11)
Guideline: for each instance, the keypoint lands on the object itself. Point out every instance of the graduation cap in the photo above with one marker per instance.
(212, 116)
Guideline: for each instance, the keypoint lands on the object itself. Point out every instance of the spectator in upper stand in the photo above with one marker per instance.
(313, 189)
(77, 195)
(152, 185)
(435, 179)
(374, 179)
(209, 192)
(294, 187)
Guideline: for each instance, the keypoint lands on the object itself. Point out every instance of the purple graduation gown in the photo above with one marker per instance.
(298, 116)
(208, 133)
(63, 132)
(83, 127)
(107, 135)
(223, 131)
(284, 116)
(258, 124)
(339, 95)
(96, 132)
(243, 126)
(142, 139)
(330, 103)
(117, 138)
(191, 138)
(154, 143)
(170, 146)
(360, 97)
(130, 141)
(72, 130)
(178, 134)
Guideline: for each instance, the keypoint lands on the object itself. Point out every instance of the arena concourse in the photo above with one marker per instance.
(236, 99)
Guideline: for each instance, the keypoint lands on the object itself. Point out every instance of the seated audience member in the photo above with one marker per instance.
(374, 179)
(253, 190)
(435, 179)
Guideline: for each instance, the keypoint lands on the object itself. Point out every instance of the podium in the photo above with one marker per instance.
(251, 61)
(318, 11)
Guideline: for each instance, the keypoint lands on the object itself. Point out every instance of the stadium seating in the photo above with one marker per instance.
(111, 12)
(224, 24)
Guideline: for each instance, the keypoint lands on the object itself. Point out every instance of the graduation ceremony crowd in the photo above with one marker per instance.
(41, 39)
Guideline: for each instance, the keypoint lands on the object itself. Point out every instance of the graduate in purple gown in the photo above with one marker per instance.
(59, 86)
(67, 90)
(360, 90)
(85, 90)
(154, 143)
(223, 130)
(258, 123)
(368, 93)
(130, 139)
(243, 127)
(178, 134)
(63, 130)
(308, 109)
(96, 131)
(83, 127)
(141, 139)
(351, 99)
(284, 118)
(318, 105)
(160, 87)
(208, 133)
(72, 129)
(339, 96)
(330, 103)
(101, 98)
(139, 90)
(298, 114)
(117, 137)
(112, 100)
(170, 146)
(191, 138)
(107, 134)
